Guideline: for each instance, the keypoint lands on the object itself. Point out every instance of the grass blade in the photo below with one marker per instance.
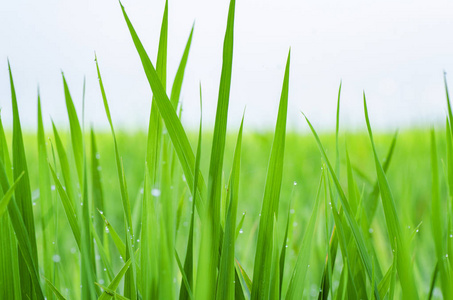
(393, 224)
(263, 256)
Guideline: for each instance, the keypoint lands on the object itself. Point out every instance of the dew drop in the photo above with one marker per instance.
(56, 258)
(98, 156)
(241, 231)
(155, 192)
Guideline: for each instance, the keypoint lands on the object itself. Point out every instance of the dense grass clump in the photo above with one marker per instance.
(268, 216)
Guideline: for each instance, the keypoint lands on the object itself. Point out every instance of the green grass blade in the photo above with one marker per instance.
(76, 131)
(45, 196)
(115, 282)
(54, 290)
(169, 116)
(283, 250)
(70, 185)
(357, 234)
(393, 224)
(225, 288)
(337, 131)
(209, 253)
(22, 193)
(296, 284)
(189, 261)
(96, 185)
(177, 82)
(68, 208)
(23, 239)
(8, 195)
(263, 256)
(437, 222)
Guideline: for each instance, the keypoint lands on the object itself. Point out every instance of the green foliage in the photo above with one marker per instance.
(137, 211)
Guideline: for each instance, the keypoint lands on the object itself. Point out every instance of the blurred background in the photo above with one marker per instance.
(396, 51)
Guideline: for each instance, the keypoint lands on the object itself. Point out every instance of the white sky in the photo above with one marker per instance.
(394, 50)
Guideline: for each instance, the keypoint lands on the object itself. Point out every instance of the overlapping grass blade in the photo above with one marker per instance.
(23, 239)
(22, 193)
(225, 290)
(437, 217)
(76, 131)
(393, 225)
(263, 256)
(296, 284)
(115, 282)
(357, 234)
(169, 116)
(210, 233)
(45, 196)
(68, 208)
(189, 260)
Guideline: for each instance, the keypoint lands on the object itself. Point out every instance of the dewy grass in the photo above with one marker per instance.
(117, 222)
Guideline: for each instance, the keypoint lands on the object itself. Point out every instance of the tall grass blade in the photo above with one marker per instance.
(263, 256)
(189, 260)
(225, 288)
(76, 131)
(22, 194)
(357, 234)
(296, 284)
(393, 225)
(169, 116)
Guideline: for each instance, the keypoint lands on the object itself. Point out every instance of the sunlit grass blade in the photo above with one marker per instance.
(23, 239)
(211, 220)
(357, 234)
(96, 185)
(296, 284)
(393, 224)
(437, 217)
(45, 196)
(76, 131)
(177, 82)
(189, 260)
(149, 239)
(172, 123)
(263, 256)
(115, 282)
(9, 264)
(283, 250)
(68, 208)
(70, 184)
(23, 192)
(8, 195)
(185, 280)
(54, 290)
(225, 290)
(129, 282)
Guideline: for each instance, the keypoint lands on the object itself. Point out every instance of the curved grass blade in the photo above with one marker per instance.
(8, 196)
(23, 239)
(357, 234)
(437, 222)
(188, 262)
(169, 116)
(263, 256)
(296, 284)
(225, 288)
(45, 196)
(115, 282)
(393, 225)
(23, 192)
(210, 235)
(68, 208)
(54, 290)
(177, 82)
(76, 131)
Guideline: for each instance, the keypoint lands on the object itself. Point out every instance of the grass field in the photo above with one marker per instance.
(220, 214)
